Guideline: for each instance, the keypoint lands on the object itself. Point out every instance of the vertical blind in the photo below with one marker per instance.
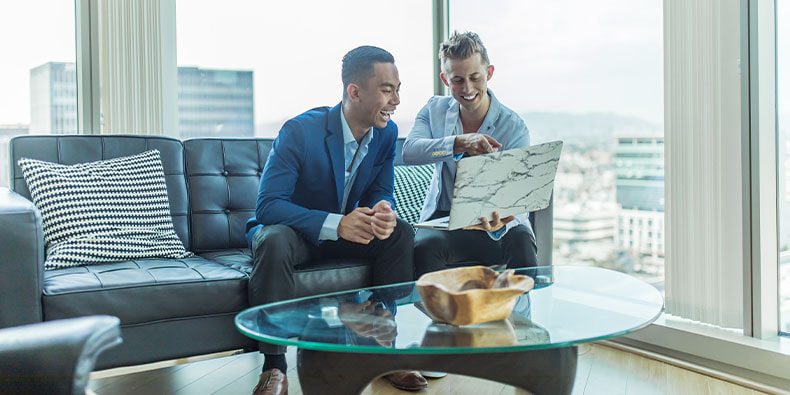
(704, 261)
(137, 66)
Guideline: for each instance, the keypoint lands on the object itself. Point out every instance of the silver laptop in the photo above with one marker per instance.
(510, 182)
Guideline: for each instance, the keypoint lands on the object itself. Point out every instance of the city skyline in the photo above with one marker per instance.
(210, 37)
(211, 102)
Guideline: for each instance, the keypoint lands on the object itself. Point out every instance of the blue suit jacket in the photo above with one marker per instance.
(303, 179)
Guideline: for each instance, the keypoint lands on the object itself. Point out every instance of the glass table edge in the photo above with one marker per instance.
(361, 349)
(413, 282)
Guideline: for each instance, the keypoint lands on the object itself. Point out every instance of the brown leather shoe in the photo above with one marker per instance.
(272, 382)
(407, 380)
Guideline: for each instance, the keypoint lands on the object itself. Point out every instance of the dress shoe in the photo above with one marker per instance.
(430, 374)
(272, 382)
(407, 380)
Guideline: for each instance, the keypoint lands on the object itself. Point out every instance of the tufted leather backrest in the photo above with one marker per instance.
(223, 177)
(71, 149)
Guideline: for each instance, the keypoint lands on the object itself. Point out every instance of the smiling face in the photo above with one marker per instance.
(468, 81)
(375, 100)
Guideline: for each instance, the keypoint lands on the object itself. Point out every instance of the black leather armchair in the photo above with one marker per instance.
(54, 357)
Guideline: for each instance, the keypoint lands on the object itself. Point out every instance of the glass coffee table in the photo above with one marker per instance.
(347, 339)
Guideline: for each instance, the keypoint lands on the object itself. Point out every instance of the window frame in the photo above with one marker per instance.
(759, 353)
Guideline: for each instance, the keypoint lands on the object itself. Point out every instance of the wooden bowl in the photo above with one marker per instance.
(470, 295)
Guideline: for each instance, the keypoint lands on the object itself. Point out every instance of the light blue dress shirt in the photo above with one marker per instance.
(350, 146)
(432, 138)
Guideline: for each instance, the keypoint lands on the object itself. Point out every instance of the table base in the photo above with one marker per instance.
(547, 371)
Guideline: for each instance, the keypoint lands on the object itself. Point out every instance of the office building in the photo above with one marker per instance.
(210, 102)
(639, 169)
(53, 98)
(215, 103)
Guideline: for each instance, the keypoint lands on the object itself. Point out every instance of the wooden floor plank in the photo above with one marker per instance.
(168, 379)
(645, 376)
(177, 377)
(721, 387)
(127, 382)
(457, 384)
(608, 372)
(681, 381)
(218, 378)
(583, 364)
(245, 383)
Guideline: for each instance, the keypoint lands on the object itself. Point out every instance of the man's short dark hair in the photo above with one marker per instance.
(358, 64)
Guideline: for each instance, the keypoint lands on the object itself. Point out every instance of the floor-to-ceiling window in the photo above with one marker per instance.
(245, 67)
(783, 162)
(37, 73)
(590, 74)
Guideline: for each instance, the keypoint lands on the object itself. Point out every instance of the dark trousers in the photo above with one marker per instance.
(439, 249)
(277, 249)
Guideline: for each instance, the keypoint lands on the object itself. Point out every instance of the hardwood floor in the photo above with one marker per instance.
(600, 370)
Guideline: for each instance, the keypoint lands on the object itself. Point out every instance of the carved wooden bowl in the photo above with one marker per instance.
(470, 295)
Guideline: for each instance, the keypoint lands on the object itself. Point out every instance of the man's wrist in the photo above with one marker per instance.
(330, 227)
(458, 148)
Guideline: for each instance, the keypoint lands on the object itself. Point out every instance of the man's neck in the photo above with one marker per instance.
(471, 120)
(358, 129)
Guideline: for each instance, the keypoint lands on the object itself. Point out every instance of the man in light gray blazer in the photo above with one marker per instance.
(469, 122)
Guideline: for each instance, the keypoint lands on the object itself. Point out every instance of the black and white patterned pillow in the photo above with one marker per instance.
(411, 185)
(105, 211)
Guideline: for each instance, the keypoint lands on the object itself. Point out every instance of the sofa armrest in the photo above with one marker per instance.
(21, 260)
(543, 226)
(54, 357)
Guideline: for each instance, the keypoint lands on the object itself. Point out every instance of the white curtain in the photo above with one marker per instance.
(702, 107)
(137, 67)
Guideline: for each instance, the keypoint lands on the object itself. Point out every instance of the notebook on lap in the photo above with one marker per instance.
(509, 182)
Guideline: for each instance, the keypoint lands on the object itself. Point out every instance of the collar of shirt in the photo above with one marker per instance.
(487, 127)
(348, 137)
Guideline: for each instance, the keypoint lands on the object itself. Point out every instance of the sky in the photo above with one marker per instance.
(560, 56)
(31, 33)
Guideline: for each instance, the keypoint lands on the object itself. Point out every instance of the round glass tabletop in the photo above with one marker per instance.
(569, 305)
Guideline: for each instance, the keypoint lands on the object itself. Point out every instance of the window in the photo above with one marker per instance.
(592, 76)
(783, 162)
(248, 66)
(38, 73)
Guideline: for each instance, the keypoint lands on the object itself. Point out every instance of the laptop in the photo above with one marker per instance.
(510, 182)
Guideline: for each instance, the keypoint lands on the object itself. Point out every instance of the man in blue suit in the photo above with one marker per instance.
(326, 192)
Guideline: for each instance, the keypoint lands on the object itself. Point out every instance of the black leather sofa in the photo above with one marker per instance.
(167, 308)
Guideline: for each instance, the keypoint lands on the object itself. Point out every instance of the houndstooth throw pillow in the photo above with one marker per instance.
(105, 211)
(411, 185)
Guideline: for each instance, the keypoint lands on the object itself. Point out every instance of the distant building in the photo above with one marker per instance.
(53, 98)
(211, 103)
(214, 103)
(639, 170)
(576, 223)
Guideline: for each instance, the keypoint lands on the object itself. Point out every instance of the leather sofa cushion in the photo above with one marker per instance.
(311, 278)
(223, 177)
(146, 290)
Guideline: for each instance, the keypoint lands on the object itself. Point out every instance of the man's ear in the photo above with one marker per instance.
(489, 72)
(353, 92)
(444, 79)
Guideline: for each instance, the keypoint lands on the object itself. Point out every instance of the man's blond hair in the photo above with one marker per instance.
(461, 46)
